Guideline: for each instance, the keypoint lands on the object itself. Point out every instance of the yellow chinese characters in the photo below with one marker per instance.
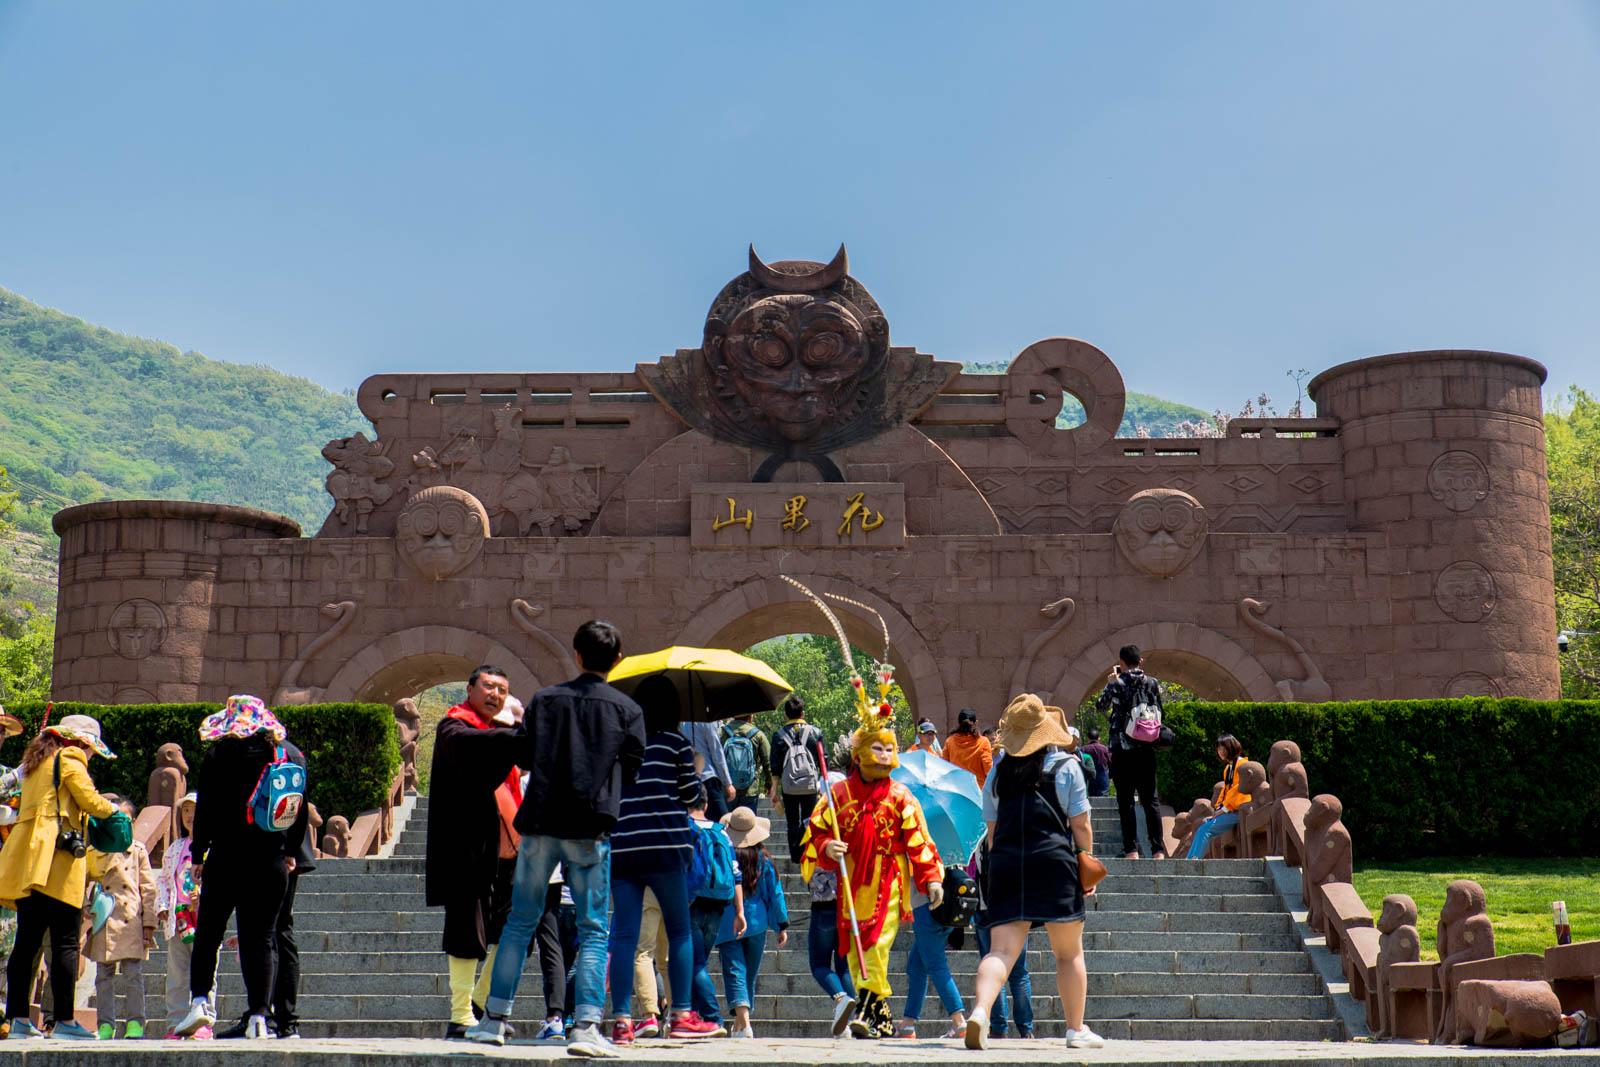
(794, 514)
(856, 508)
(747, 520)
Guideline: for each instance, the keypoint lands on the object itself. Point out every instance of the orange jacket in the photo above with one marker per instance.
(1232, 797)
(971, 751)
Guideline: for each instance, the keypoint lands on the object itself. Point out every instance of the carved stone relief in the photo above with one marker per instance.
(1465, 591)
(343, 614)
(1161, 531)
(441, 530)
(137, 628)
(132, 694)
(1458, 480)
(1312, 688)
(356, 483)
(1472, 684)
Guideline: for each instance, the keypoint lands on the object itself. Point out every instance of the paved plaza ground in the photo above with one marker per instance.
(333, 1052)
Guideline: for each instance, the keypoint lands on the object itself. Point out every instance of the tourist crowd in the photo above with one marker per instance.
(613, 835)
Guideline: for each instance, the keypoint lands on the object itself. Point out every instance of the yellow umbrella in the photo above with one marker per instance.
(712, 683)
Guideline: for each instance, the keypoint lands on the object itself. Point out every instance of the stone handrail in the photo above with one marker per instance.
(153, 829)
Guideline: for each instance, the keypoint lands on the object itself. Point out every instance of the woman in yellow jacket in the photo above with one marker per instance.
(43, 877)
(1231, 753)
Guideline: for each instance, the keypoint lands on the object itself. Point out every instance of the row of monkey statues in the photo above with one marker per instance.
(1282, 818)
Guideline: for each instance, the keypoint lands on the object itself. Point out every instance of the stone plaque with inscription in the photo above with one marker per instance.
(798, 515)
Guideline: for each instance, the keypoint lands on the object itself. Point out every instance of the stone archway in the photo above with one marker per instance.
(770, 607)
(1213, 666)
(404, 663)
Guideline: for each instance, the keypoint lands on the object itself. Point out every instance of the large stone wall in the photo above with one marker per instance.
(1397, 545)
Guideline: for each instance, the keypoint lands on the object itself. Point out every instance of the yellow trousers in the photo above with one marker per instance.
(876, 976)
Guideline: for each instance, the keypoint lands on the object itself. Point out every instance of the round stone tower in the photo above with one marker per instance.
(136, 608)
(1444, 453)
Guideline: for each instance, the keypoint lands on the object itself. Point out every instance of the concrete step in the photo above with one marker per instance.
(351, 921)
(1125, 984)
(1045, 1026)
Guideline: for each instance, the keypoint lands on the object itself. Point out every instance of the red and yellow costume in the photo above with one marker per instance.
(888, 848)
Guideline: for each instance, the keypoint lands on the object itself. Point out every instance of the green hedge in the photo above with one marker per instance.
(352, 750)
(1420, 777)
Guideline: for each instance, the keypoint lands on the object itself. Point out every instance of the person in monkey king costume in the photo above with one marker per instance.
(876, 830)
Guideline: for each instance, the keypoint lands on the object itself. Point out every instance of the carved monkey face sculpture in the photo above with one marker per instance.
(1462, 898)
(1398, 910)
(1325, 810)
(441, 530)
(137, 628)
(1252, 776)
(794, 359)
(1161, 530)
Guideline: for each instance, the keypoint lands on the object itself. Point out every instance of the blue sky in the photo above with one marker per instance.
(1212, 193)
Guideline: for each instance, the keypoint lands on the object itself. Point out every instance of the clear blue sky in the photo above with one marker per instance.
(1211, 192)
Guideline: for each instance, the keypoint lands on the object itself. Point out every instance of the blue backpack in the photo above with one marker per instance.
(711, 870)
(740, 752)
(279, 794)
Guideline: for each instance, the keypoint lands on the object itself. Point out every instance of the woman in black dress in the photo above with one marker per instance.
(1037, 808)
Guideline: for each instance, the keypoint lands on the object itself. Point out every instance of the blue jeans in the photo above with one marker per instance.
(1020, 982)
(928, 960)
(1213, 826)
(741, 966)
(831, 970)
(672, 893)
(587, 868)
(705, 921)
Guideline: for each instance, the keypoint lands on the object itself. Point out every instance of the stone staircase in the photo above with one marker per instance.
(1176, 950)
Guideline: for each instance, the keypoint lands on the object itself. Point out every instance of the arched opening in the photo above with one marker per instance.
(763, 609)
(1204, 662)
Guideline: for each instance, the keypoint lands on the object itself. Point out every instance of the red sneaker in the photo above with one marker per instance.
(690, 1026)
(622, 1032)
(649, 1026)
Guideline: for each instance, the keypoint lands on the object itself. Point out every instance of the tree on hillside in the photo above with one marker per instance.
(1572, 432)
(26, 635)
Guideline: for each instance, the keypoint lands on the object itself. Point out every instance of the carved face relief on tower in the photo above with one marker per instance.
(1161, 531)
(137, 628)
(795, 360)
(1465, 591)
(1458, 480)
(441, 530)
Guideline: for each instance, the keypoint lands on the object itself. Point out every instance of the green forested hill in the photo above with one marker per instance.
(1151, 414)
(89, 414)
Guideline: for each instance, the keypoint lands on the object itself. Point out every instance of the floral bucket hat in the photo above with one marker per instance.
(84, 730)
(244, 716)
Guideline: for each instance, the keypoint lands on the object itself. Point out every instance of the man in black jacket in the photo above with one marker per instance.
(473, 760)
(579, 742)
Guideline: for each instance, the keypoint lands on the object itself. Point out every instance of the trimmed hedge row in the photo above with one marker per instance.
(1420, 777)
(352, 750)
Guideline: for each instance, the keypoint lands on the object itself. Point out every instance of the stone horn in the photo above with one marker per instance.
(821, 278)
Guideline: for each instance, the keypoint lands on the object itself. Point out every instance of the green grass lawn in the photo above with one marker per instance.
(1519, 894)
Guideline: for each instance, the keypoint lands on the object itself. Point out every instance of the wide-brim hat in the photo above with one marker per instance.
(746, 828)
(10, 725)
(1030, 724)
(84, 730)
(243, 716)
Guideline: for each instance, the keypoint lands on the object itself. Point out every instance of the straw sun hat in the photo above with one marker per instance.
(82, 729)
(746, 828)
(1030, 724)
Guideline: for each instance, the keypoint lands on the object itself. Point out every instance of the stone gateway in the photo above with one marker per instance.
(1396, 545)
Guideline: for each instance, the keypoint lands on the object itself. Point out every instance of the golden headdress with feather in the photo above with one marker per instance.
(873, 744)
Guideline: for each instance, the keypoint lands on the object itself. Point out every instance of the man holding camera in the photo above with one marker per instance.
(1133, 762)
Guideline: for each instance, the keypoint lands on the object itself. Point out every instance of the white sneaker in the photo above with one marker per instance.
(256, 1028)
(585, 1040)
(747, 1032)
(200, 1013)
(978, 1031)
(843, 1005)
(488, 1031)
(1085, 1038)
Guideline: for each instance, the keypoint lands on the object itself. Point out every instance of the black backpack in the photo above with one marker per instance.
(960, 902)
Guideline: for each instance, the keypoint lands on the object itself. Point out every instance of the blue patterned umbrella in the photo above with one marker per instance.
(950, 800)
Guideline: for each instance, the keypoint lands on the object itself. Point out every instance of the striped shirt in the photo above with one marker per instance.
(654, 818)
